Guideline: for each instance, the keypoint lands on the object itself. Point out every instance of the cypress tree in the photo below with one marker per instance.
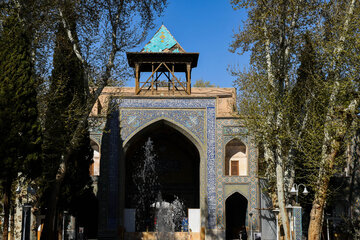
(66, 102)
(20, 131)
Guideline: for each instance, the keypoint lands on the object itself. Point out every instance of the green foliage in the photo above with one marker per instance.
(300, 85)
(20, 130)
(102, 31)
(66, 102)
(300, 97)
(202, 83)
(309, 100)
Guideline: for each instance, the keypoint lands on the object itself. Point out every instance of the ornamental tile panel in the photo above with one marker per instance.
(190, 119)
(226, 130)
(166, 103)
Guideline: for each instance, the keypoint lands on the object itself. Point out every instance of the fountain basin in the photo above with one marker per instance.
(164, 235)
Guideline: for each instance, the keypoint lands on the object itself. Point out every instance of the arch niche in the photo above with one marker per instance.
(236, 161)
(177, 163)
(95, 165)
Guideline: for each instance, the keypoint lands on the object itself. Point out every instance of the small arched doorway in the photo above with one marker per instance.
(236, 215)
(95, 165)
(177, 165)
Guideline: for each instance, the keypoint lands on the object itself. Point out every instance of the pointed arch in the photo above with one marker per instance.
(236, 219)
(182, 129)
(182, 159)
(236, 158)
(95, 165)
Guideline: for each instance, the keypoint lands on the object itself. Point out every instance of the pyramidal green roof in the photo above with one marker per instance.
(163, 41)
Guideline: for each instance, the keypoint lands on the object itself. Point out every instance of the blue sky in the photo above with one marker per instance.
(205, 27)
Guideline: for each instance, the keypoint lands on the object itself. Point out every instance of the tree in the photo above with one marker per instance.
(19, 127)
(352, 225)
(65, 103)
(202, 83)
(309, 98)
(341, 69)
(274, 34)
(122, 25)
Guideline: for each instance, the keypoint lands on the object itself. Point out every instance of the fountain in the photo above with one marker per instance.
(147, 186)
(169, 217)
(163, 219)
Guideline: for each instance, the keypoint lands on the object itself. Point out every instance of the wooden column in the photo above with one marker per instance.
(137, 78)
(152, 78)
(173, 80)
(188, 78)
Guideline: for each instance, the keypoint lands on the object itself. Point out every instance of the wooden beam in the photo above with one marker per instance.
(150, 77)
(174, 76)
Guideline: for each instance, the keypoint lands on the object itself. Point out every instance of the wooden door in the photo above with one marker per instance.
(234, 168)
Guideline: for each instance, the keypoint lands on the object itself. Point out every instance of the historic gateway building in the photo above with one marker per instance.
(204, 156)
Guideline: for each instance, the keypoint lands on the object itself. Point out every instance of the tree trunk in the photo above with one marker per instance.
(6, 203)
(353, 170)
(12, 222)
(319, 203)
(50, 225)
(281, 197)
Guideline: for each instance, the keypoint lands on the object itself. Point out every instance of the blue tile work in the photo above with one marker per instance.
(96, 138)
(146, 109)
(113, 177)
(297, 223)
(160, 41)
(191, 119)
(211, 175)
(170, 103)
(96, 129)
(234, 131)
(226, 130)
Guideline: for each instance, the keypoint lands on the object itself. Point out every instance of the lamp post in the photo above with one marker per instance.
(289, 210)
(26, 209)
(295, 190)
(251, 235)
(327, 226)
(296, 214)
(276, 211)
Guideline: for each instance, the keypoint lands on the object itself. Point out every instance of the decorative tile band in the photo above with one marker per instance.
(166, 103)
(211, 186)
(190, 119)
(235, 131)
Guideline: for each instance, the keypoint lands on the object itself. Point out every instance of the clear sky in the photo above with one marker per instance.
(205, 27)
